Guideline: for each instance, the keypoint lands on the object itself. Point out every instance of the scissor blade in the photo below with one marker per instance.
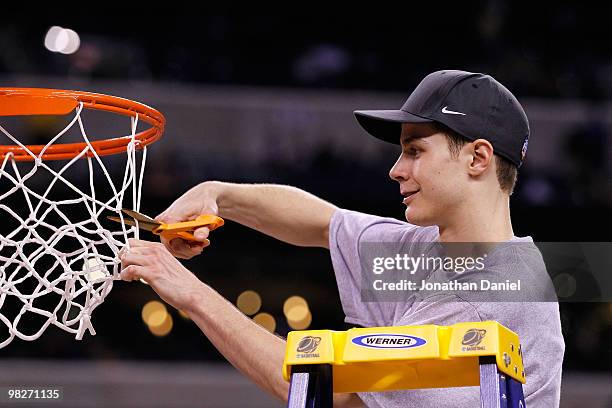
(140, 217)
(141, 224)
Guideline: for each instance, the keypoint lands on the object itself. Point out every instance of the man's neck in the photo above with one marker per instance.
(480, 222)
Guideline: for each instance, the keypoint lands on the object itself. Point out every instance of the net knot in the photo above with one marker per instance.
(84, 325)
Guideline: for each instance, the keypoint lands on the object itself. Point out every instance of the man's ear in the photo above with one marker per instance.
(481, 152)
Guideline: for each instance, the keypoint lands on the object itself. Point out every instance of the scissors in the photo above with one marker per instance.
(182, 230)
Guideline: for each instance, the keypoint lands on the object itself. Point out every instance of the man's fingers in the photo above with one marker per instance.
(189, 251)
(168, 243)
(201, 234)
(131, 258)
(165, 241)
(133, 272)
(172, 217)
(198, 244)
(161, 217)
(178, 245)
(140, 250)
(168, 219)
(180, 249)
(137, 250)
(135, 243)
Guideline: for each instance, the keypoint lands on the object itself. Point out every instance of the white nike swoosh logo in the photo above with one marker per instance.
(450, 112)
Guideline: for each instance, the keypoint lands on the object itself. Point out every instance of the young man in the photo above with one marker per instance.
(463, 136)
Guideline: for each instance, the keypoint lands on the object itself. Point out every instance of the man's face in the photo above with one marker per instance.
(431, 180)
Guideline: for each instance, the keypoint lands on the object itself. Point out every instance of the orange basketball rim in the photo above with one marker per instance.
(38, 101)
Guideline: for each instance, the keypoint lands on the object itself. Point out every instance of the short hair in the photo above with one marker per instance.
(507, 171)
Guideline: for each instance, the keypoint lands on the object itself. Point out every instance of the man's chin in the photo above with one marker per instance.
(419, 219)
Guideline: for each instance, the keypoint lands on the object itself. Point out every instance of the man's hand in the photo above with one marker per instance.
(152, 262)
(201, 199)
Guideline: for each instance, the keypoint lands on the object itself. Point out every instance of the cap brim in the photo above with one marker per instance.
(386, 124)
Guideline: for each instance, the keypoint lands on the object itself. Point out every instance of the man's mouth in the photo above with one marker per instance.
(409, 196)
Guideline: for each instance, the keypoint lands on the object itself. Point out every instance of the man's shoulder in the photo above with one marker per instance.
(519, 255)
(377, 228)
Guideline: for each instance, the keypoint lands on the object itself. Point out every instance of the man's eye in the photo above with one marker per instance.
(412, 152)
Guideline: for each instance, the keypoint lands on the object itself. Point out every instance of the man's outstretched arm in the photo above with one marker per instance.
(254, 351)
(283, 212)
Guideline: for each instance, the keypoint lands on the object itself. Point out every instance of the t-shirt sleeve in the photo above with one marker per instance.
(347, 230)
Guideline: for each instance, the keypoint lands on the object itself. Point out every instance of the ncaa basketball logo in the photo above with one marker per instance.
(473, 337)
(308, 344)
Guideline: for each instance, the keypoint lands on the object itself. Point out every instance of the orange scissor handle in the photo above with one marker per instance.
(185, 229)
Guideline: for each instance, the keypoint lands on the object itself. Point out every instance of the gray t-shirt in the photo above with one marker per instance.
(537, 323)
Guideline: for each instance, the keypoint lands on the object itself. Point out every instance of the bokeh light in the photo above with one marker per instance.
(292, 302)
(297, 312)
(62, 40)
(266, 320)
(249, 302)
(301, 324)
(154, 313)
(164, 328)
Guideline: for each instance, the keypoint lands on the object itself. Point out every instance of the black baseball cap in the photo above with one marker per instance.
(474, 105)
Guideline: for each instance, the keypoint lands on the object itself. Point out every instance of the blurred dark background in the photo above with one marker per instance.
(263, 98)
(538, 49)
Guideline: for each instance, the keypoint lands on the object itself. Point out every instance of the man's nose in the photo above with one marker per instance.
(399, 170)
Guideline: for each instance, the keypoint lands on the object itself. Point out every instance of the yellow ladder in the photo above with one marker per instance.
(321, 362)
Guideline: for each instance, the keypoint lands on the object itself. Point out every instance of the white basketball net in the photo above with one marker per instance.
(59, 259)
